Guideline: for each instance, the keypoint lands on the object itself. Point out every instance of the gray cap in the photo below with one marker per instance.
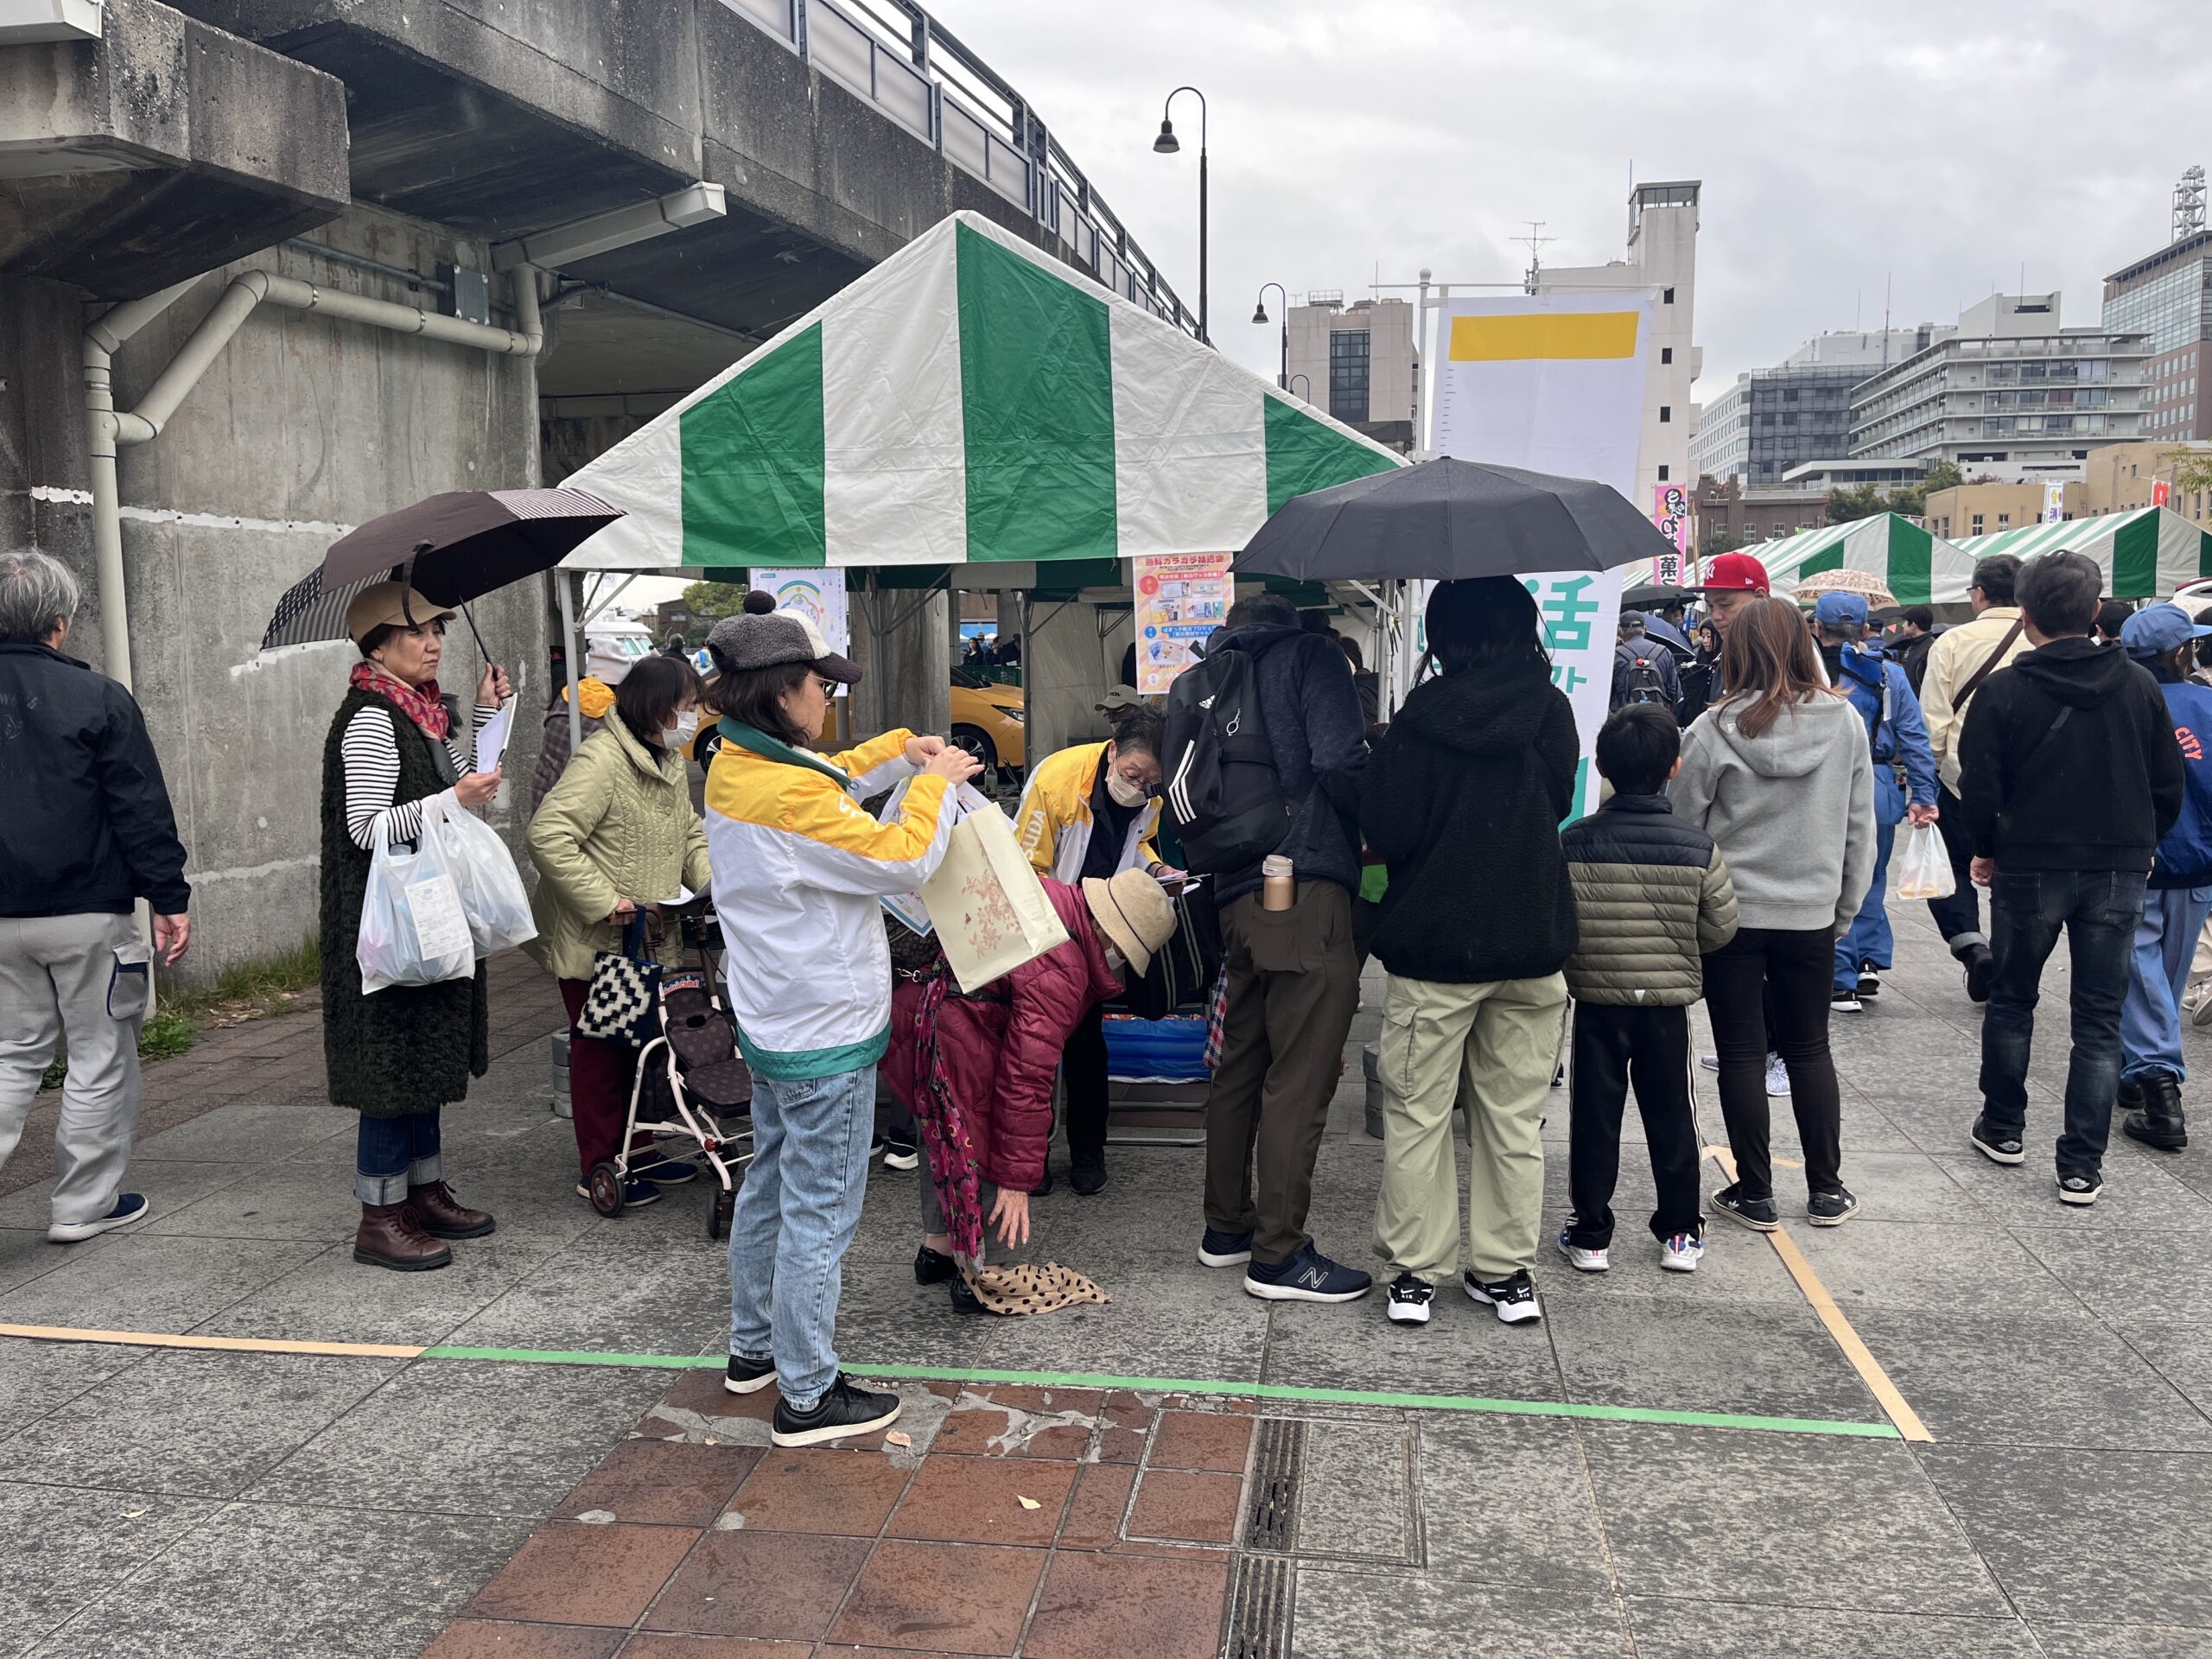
(1632, 621)
(763, 636)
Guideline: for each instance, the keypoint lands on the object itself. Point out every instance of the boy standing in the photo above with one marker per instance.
(1651, 897)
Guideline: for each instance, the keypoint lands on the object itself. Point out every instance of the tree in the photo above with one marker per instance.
(1718, 542)
(1846, 504)
(1944, 475)
(2192, 469)
(710, 601)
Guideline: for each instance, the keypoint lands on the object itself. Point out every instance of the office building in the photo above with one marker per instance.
(1883, 473)
(1771, 421)
(1662, 257)
(1360, 362)
(2168, 297)
(2011, 392)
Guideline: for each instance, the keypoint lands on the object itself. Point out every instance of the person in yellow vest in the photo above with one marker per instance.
(1091, 811)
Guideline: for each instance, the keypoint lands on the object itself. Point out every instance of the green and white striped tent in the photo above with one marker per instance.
(2144, 554)
(1918, 568)
(970, 399)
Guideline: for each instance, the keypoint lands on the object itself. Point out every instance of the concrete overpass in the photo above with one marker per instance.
(421, 155)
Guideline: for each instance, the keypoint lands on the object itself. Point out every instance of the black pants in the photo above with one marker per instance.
(1798, 967)
(1082, 1067)
(1616, 1044)
(1958, 917)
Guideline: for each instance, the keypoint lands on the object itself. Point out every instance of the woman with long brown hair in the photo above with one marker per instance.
(1778, 774)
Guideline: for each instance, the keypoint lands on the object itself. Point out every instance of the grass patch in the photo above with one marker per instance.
(251, 990)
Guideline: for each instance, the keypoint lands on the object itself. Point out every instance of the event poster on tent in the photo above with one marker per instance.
(1181, 599)
(818, 595)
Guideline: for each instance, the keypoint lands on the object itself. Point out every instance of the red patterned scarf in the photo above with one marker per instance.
(419, 704)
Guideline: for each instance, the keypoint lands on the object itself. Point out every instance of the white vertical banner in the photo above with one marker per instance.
(1578, 612)
(1553, 383)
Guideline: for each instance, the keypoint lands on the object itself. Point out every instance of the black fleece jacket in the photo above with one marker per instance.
(2067, 762)
(1319, 739)
(86, 828)
(1463, 801)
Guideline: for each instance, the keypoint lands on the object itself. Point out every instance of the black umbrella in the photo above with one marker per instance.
(1449, 520)
(1650, 598)
(450, 548)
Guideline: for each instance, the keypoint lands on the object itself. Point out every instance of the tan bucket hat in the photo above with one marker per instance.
(1135, 911)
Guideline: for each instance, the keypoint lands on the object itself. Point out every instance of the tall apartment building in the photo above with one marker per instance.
(2167, 296)
(1771, 421)
(1360, 362)
(2011, 392)
(1662, 255)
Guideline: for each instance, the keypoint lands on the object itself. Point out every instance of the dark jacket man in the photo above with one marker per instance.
(2069, 762)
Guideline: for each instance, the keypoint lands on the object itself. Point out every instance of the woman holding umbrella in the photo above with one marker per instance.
(397, 1057)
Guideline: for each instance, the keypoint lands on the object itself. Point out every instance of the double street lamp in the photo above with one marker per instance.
(1260, 315)
(1166, 144)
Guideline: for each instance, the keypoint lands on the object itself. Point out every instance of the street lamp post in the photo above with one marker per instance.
(1260, 315)
(1292, 387)
(1167, 145)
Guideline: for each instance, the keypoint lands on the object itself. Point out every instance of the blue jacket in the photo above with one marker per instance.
(1897, 732)
(2185, 853)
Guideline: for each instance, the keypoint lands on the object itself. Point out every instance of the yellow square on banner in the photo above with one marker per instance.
(1520, 338)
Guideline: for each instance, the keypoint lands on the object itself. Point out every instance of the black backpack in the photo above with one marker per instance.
(1645, 684)
(1223, 795)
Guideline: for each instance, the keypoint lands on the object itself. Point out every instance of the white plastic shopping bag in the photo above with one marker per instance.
(413, 929)
(988, 904)
(1923, 864)
(491, 895)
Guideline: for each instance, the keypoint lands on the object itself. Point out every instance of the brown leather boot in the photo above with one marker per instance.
(438, 1213)
(389, 1237)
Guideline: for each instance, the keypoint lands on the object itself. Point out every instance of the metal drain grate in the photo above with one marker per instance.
(1259, 1609)
(1278, 1460)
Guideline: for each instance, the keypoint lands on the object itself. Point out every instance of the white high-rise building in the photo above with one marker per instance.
(1662, 257)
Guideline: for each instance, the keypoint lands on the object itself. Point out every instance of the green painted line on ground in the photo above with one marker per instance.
(1233, 1390)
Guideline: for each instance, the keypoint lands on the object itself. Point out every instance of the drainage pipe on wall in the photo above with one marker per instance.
(108, 429)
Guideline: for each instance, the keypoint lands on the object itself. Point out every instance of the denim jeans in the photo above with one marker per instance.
(2150, 1019)
(796, 1213)
(1867, 943)
(2099, 910)
(393, 1154)
(1959, 917)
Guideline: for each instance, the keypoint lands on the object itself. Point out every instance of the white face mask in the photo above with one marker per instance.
(676, 736)
(1124, 792)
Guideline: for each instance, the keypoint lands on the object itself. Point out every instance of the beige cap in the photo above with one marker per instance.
(390, 603)
(1135, 911)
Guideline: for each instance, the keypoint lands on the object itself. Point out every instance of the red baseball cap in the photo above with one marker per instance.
(1734, 572)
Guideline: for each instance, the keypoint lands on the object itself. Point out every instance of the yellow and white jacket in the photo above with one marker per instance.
(799, 867)
(1053, 823)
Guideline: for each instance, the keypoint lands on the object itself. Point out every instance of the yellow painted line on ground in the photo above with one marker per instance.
(1862, 1359)
(229, 1345)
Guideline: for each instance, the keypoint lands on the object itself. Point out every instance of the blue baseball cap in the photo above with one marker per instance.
(2156, 629)
(1841, 610)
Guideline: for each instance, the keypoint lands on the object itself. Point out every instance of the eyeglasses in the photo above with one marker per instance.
(828, 687)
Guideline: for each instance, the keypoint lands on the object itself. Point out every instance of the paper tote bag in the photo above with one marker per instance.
(989, 907)
(622, 1004)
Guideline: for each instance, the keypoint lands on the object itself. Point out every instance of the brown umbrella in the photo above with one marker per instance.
(1846, 581)
(450, 548)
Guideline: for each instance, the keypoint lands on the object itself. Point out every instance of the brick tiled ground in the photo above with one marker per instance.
(998, 1531)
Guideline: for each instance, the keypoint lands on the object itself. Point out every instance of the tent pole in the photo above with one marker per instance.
(570, 641)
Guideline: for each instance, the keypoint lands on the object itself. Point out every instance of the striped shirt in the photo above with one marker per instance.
(371, 754)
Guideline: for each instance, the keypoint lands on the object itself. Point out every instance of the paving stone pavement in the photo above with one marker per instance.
(1230, 1481)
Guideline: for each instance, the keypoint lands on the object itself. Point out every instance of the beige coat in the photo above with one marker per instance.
(1954, 658)
(620, 824)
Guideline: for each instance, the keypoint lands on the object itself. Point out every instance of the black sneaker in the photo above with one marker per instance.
(665, 1172)
(2079, 1186)
(933, 1267)
(1514, 1298)
(1758, 1214)
(844, 1409)
(1870, 983)
(1981, 967)
(1409, 1299)
(1999, 1146)
(899, 1153)
(1087, 1174)
(1843, 999)
(1831, 1208)
(1219, 1249)
(748, 1376)
(1308, 1276)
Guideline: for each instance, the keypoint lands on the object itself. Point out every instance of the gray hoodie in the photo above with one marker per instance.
(1792, 810)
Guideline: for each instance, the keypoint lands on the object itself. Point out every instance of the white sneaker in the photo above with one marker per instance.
(2198, 1001)
(1409, 1299)
(1778, 1077)
(1682, 1253)
(1582, 1261)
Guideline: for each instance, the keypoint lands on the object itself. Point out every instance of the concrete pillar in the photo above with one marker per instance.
(1066, 667)
(900, 637)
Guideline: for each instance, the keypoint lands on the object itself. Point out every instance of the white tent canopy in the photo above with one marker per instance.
(1916, 567)
(2144, 554)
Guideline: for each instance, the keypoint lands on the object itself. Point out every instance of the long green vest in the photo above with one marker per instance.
(410, 1048)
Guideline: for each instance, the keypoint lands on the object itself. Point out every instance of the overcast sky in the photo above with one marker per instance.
(1937, 144)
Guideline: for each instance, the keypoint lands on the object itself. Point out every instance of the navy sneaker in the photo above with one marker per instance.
(636, 1194)
(748, 1376)
(1308, 1276)
(1219, 1249)
(665, 1172)
(130, 1209)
